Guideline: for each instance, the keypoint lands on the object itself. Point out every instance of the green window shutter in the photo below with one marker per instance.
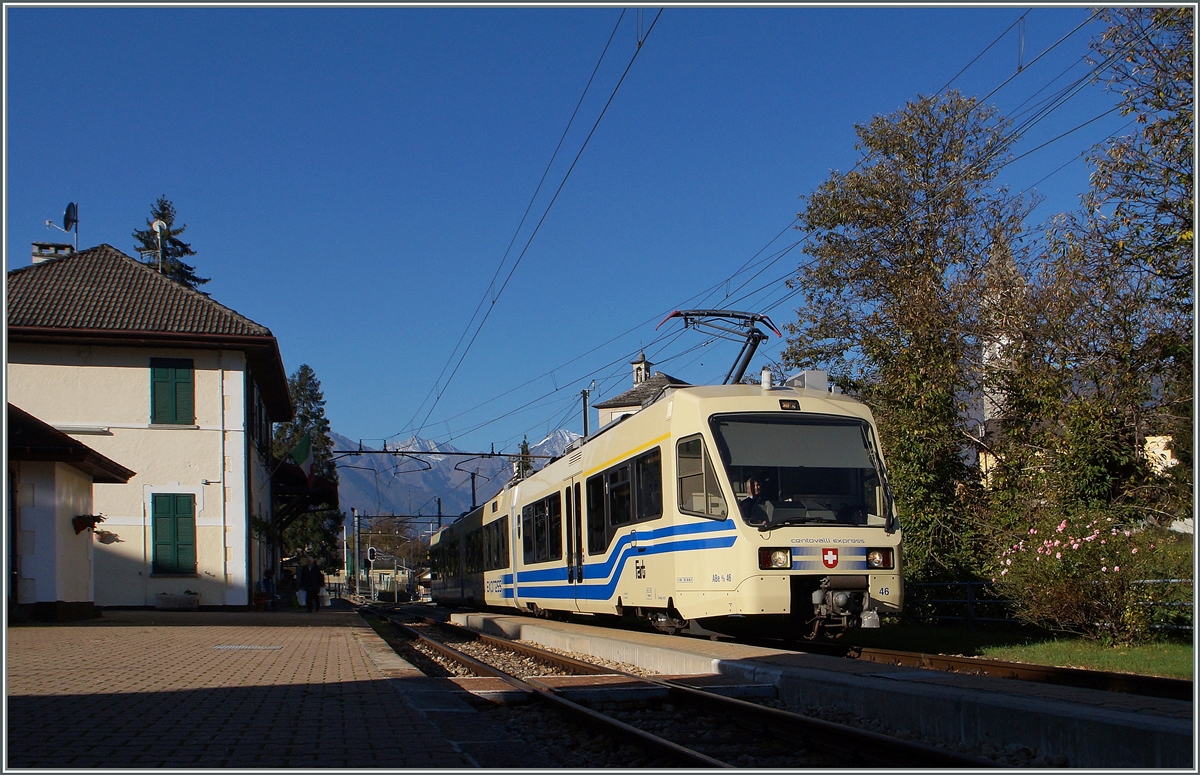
(174, 526)
(172, 391)
(185, 413)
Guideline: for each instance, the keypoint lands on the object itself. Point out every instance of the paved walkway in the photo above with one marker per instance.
(206, 690)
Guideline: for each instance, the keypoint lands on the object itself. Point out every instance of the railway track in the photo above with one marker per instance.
(1126, 683)
(690, 716)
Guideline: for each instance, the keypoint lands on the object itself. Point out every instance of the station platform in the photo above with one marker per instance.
(234, 690)
(1085, 727)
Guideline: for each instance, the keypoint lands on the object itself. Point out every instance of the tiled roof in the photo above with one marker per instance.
(103, 289)
(31, 439)
(642, 392)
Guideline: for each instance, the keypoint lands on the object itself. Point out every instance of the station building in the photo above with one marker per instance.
(169, 384)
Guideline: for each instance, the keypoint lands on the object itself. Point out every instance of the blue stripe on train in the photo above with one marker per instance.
(604, 569)
(604, 591)
(809, 558)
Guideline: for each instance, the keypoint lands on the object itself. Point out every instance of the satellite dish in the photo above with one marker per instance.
(159, 226)
(70, 217)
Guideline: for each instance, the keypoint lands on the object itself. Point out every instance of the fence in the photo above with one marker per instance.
(965, 607)
(962, 601)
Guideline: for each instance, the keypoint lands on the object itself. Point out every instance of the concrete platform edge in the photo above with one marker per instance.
(1087, 736)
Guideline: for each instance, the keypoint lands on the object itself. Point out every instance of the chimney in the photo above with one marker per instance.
(44, 251)
(641, 369)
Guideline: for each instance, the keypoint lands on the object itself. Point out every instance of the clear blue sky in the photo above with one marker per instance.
(353, 177)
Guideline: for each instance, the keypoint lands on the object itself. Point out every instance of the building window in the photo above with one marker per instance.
(172, 391)
(174, 529)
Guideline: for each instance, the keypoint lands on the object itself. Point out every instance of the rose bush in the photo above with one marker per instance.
(1099, 573)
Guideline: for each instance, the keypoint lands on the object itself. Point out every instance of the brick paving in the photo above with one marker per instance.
(151, 689)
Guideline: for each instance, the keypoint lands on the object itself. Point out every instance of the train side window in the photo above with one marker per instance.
(527, 533)
(495, 544)
(649, 486)
(597, 534)
(699, 492)
(540, 550)
(620, 495)
(554, 527)
(504, 553)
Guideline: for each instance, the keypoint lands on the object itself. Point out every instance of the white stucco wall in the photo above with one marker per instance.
(55, 564)
(101, 396)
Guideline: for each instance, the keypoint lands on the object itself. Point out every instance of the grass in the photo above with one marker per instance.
(1170, 658)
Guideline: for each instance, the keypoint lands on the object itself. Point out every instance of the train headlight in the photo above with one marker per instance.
(879, 558)
(774, 559)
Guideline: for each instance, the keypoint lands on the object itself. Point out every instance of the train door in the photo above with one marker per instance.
(573, 509)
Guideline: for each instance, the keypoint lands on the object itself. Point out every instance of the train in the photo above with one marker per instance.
(711, 509)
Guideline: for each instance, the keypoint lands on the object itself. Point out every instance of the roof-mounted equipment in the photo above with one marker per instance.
(731, 325)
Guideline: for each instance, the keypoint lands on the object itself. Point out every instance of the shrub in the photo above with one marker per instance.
(1096, 573)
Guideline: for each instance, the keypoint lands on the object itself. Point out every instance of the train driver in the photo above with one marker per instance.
(751, 507)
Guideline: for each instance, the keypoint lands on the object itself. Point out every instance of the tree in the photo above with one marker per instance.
(1101, 360)
(524, 465)
(174, 250)
(315, 531)
(898, 250)
(1142, 205)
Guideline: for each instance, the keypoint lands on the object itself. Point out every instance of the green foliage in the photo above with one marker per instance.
(174, 250)
(524, 462)
(1100, 574)
(899, 250)
(317, 533)
(309, 403)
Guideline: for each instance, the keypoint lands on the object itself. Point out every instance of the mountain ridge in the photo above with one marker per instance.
(379, 483)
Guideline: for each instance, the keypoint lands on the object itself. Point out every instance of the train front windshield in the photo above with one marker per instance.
(806, 470)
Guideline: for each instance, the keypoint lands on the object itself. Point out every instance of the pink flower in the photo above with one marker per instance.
(1151, 546)
(1103, 541)
(1008, 562)
(1116, 568)
(1103, 569)
(1004, 571)
(1134, 550)
(1058, 555)
(1127, 534)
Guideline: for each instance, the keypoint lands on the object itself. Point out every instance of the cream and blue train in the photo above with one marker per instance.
(652, 517)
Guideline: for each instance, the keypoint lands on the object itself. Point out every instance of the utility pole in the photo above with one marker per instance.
(439, 500)
(356, 573)
(585, 393)
(473, 504)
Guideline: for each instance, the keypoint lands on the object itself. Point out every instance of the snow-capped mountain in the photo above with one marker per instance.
(387, 483)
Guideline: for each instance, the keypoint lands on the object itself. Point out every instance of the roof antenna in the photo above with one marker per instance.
(159, 227)
(70, 221)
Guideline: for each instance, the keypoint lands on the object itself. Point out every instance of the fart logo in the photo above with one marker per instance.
(829, 557)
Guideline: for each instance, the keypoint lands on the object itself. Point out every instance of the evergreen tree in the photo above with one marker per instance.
(318, 531)
(524, 462)
(174, 250)
(899, 248)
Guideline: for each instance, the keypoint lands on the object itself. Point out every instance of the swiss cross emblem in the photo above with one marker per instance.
(829, 557)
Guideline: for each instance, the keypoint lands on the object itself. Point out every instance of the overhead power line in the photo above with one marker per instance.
(542, 220)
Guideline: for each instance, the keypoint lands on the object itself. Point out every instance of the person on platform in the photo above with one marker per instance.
(311, 581)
